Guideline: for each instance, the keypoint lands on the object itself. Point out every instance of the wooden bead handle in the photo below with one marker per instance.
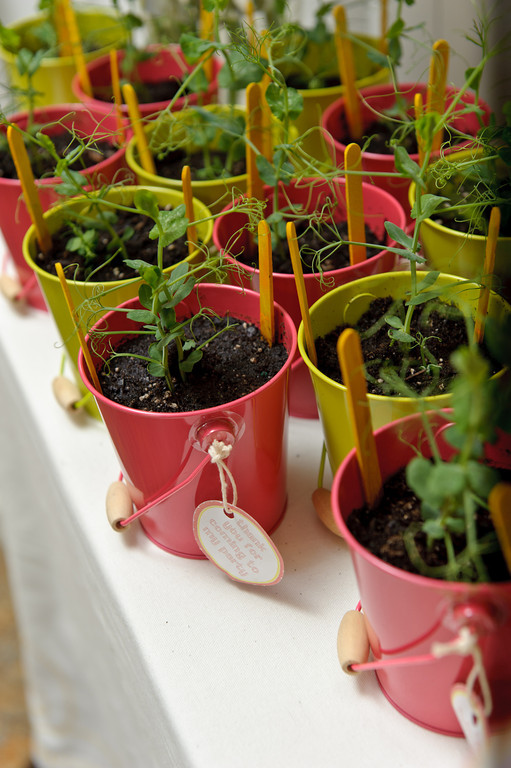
(352, 641)
(66, 392)
(118, 504)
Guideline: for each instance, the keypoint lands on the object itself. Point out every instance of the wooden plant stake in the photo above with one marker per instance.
(351, 362)
(300, 289)
(76, 45)
(255, 138)
(435, 100)
(418, 112)
(146, 158)
(116, 89)
(347, 72)
(206, 33)
(191, 231)
(355, 203)
(26, 177)
(267, 141)
(266, 304)
(65, 48)
(383, 25)
(81, 339)
(488, 268)
(499, 502)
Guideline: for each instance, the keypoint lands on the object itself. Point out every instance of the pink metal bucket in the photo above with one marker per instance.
(164, 63)
(14, 217)
(160, 452)
(405, 614)
(231, 237)
(375, 100)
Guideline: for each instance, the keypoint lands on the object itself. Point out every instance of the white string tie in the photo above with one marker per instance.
(219, 452)
(466, 645)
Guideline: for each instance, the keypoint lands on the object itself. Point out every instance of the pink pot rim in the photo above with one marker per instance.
(461, 588)
(155, 106)
(366, 186)
(61, 110)
(382, 90)
(291, 334)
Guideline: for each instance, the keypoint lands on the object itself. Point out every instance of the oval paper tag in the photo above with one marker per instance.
(470, 713)
(237, 545)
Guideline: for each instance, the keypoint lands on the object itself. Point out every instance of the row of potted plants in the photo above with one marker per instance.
(176, 327)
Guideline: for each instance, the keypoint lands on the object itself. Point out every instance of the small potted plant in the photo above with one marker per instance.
(467, 185)
(69, 135)
(436, 595)
(100, 29)
(170, 335)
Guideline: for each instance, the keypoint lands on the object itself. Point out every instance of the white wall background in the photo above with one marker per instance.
(449, 19)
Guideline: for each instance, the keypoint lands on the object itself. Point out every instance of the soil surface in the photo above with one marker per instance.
(43, 165)
(147, 93)
(311, 239)
(138, 246)
(171, 166)
(234, 364)
(444, 327)
(381, 531)
(380, 132)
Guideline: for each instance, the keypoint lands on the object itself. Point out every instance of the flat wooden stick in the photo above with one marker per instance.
(435, 100)
(76, 46)
(254, 133)
(81, 338)
(300, 289)
(347, 72)
(116, 90)
(499, 502)
(383, 25)
(65, 48)
(206, 33)
(26, 178)
(355, 204)
(267, 146)
(191, 230)
(349, 353)
(146, 158)
(488, 269)
(266, 303)
(418, 111)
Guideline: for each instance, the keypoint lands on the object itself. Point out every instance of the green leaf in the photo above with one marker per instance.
(193, 47)
(145, 295)
(266, 171)
(418, 471)
(429, 204)
(399, 235)
(156, 369)
(193, 358)
(428, 280)
(434, 529)
(394, 321)
(147, 203)
(481, 478)
(174, 224)
(455, 525)
(276, 98)
(142, 316)
(402, 336)
(407, 166)
(446, 480)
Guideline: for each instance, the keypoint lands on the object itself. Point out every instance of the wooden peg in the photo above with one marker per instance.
(266, 303)
(351, 362)
(146, 158)
(26, 177)
(76, 46)
(206, 26)
(118, 505)
(66, 392)
(191, 230)
(301, 291)
(355, 204)
(346, 65)
(418, 112)
(116, 90)
(499, 502)
(488, 269)
(352, 641)
(435, 99)
(254, 134)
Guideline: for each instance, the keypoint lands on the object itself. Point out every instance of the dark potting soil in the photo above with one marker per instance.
(43, 165)
(380, 133)
(381, 530)
(311, 239)
(171, 166)
(138, 246)
(445, 330)
(234, 364)
(147, 92)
